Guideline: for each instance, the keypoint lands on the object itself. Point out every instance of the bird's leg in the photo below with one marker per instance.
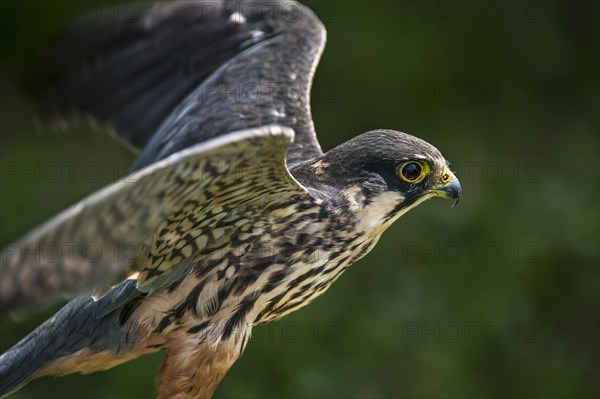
(194, 366)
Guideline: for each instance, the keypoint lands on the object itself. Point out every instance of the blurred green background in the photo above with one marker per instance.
(498, 297)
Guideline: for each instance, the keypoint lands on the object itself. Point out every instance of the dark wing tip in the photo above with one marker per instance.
(132, 66)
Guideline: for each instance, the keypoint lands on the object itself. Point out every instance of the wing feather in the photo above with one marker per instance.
(170, 76)
(108, 233)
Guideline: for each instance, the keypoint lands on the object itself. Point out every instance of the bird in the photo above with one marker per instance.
(232, 215)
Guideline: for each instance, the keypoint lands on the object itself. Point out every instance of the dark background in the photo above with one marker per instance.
(498, 297)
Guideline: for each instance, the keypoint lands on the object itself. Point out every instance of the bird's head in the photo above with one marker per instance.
(382, 174)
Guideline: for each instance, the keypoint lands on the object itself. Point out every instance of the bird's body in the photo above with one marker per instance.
(236, 215)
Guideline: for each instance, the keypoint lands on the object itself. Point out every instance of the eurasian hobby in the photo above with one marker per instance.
(233, 215)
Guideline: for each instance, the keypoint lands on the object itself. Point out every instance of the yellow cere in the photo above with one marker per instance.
(445, 177)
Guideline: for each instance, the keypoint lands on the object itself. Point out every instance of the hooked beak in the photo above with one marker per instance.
(450, 190)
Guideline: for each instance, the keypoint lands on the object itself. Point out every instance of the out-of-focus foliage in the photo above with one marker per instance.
(497, 297)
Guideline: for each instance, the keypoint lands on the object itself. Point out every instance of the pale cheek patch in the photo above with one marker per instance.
(355, 198)
(373, 217)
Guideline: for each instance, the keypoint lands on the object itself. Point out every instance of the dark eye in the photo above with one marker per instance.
(412, 172)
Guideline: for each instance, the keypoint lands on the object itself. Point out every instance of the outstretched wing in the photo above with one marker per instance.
(179, 73)
(104, 235)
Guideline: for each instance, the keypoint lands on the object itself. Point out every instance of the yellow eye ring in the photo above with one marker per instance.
(413, 171)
